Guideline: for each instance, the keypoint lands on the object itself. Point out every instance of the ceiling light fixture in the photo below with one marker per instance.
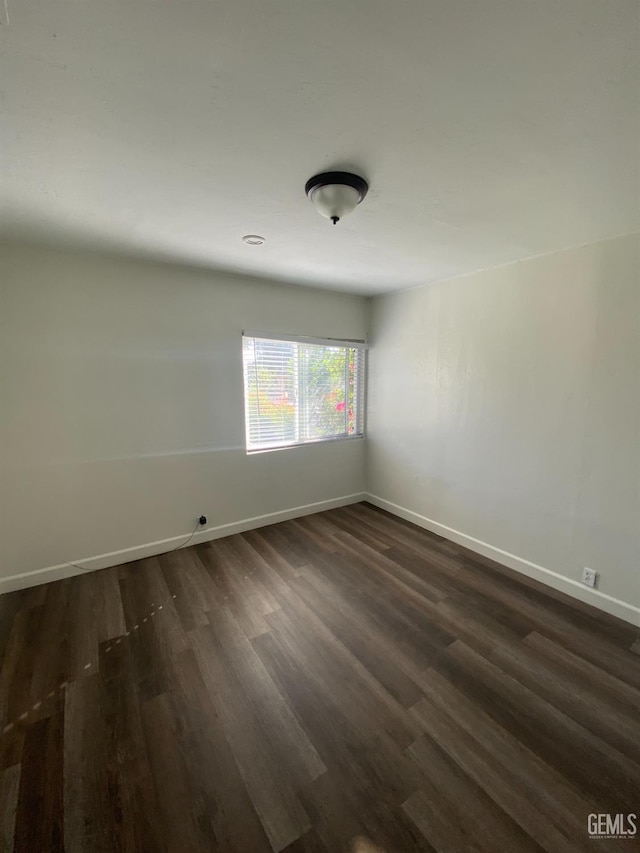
(253, 239)
(335, 194)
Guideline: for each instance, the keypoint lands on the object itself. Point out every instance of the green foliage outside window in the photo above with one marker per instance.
(299, 392)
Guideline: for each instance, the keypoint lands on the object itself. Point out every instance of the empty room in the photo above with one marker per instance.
(320, 426)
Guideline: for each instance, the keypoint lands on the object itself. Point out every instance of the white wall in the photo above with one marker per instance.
(506, 405)
(122, 406)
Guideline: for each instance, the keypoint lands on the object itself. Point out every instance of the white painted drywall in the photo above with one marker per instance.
(122, 406)
(506, 406)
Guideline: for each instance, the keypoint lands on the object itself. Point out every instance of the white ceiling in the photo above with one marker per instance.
(489, 131)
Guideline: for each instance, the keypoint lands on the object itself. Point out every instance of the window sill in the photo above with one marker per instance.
(313, 443)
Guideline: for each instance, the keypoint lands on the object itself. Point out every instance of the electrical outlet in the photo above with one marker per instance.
(589, 577)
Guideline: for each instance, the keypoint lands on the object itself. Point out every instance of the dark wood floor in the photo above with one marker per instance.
(346, 674)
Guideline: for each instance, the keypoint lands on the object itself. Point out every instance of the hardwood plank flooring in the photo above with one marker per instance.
(308, 685)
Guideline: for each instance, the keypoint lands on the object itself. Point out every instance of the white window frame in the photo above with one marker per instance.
(361, 377)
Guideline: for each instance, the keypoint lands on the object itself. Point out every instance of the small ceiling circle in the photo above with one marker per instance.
(253, 239)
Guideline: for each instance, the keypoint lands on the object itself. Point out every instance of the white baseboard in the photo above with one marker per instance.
(614, 606)
(161, 546)
(628, 612)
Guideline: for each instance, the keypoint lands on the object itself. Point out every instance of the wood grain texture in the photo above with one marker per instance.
(9, 787)
(310, 687)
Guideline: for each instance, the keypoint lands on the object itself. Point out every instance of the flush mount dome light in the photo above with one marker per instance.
(253, 239)
(334, 194)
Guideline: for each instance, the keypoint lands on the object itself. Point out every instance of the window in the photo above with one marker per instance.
(299, 390)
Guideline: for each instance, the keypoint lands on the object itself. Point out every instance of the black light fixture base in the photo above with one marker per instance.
(325, 179)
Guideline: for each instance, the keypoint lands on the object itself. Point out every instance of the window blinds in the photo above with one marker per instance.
(299, 390)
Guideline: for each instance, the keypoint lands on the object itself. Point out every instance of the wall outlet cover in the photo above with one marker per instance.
(589, 577)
